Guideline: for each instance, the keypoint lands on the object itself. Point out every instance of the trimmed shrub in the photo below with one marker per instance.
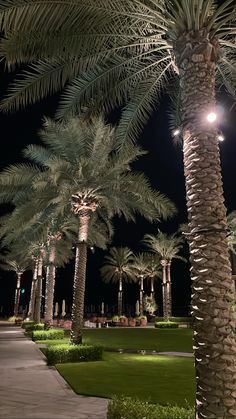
(33, 326)
(59, 354)
(48, 334)
(175, 319)
(167, 325)
(27, 323)
(11, 319)
(127, 408)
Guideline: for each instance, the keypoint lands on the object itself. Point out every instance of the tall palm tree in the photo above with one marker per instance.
(154, 270)
(141, 265)
(168, 247)
(85, 172)
(131, 50)
(118, 267)
(17, 263)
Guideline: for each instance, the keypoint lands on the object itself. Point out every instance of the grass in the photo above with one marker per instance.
(158, 379)
(162, 340)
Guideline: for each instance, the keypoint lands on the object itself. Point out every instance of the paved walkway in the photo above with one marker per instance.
(29, 389)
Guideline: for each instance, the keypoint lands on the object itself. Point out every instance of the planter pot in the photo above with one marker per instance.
(132, 323)
(143, 322)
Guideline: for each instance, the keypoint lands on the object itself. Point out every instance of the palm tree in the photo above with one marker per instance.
(131, 50)
(141, 265)
(74, 181)
(17, 263)
(168, 248)
(118, 267)
(154, 270)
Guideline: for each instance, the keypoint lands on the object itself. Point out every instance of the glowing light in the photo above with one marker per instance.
(211, 117)
(176, 132)
(220, 138)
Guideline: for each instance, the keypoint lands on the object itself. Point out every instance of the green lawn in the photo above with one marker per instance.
(177, 340)
(160, 379)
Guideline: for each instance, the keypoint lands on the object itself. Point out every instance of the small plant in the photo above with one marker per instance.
(58, 354)
(11, 319)
(115, 318)
(167, 325)
(127, 408)
(149, 304)
(48, 334)
(142, 317)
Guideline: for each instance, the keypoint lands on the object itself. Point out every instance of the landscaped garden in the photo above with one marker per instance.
(159, 379)
(161, 340)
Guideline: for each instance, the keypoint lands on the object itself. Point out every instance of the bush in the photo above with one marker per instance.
(58, 354)
(127, 408)
(48, 334)
(166, 325)
(11, 319)
(27, 323)
(30, 327)
(176, 319)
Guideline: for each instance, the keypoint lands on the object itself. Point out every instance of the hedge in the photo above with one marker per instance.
(48, 334)
(166, 325)
(30, 327)
(127, 408)
(59, 354)
(175, 319)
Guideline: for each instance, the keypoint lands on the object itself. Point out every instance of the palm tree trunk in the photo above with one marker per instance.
(164, 297)
(80, 278)
(141, 296)
(168, 291)
(152, 287)
(17, 294)
(212, 286)
(50, 285)
(33, 291)
(120, 296)
(38, 296)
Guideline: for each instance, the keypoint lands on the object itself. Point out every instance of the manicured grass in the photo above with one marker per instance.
(162, 340)
(159, 379)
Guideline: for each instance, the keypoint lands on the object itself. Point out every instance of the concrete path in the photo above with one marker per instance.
(29, 389)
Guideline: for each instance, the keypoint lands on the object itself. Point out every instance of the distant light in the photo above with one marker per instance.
(211, 117)
(221, 138)
(22, 291)
(176, 132)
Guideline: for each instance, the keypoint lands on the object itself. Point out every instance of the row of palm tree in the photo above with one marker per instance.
(108, 53)
(122, 265)
(80, 179)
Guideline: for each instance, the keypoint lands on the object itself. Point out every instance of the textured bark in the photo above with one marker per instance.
(50, 285)
(33, 291)
(168, 291)
(212, 285)
(17, 294)
(80, 278)
(141, 297)
(120, 296)
(38, 296)
(164, 296)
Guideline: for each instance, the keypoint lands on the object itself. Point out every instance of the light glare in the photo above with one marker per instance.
(220, 138)
(211, 117)
(176, 132)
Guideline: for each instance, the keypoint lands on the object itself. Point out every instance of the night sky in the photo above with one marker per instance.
(163, 166)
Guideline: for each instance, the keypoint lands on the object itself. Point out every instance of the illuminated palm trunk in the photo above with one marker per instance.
(120, 295)
(212, 285)
(141, 296)
(50, 286)
(17, 294)
(168, 291)
(152, 287)
(38, 296)
(33, 291)
(164, 295)
(80, 278)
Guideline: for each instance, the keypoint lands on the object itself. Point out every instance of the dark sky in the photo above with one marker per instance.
(164, 167)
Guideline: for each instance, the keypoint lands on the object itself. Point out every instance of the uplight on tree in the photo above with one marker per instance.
(211, 117)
